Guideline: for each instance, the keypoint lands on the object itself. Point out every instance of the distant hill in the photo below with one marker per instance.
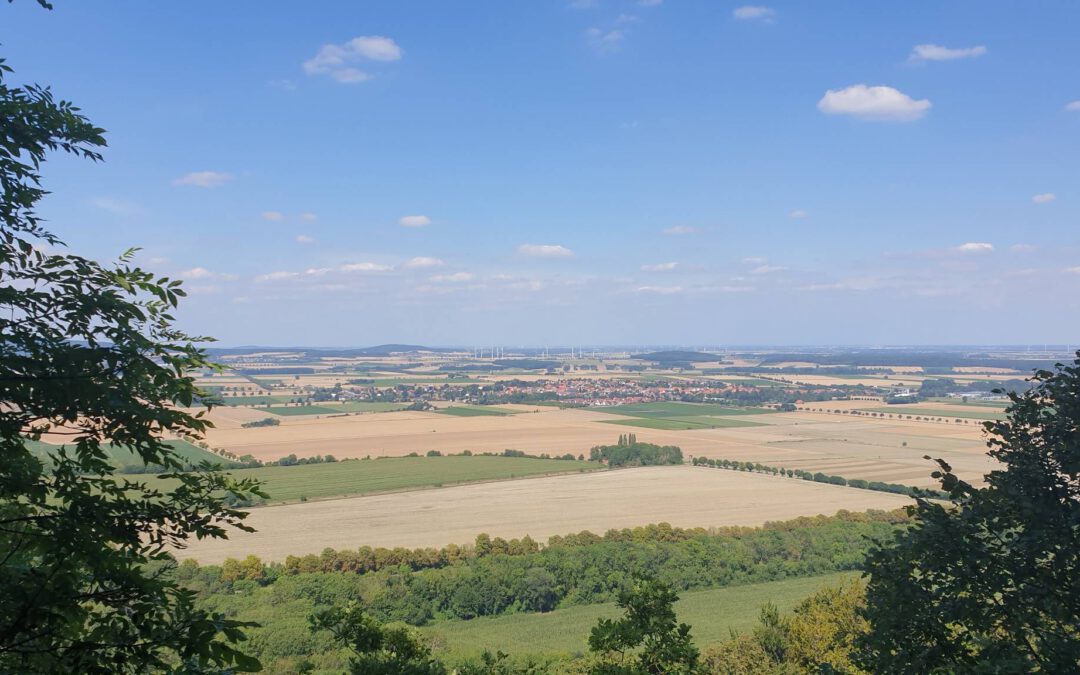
(676, 357)
(377, 350)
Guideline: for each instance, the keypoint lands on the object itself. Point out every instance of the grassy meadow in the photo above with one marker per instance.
(359, 477)
(712, 615)
(676, 416)
(123, 458)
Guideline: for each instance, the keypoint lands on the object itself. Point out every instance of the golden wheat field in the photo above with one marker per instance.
(683, 496)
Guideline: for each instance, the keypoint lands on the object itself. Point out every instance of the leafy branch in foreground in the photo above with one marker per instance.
(988, 582)
(89, 352)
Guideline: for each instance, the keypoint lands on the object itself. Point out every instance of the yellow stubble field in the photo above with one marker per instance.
(683, 496)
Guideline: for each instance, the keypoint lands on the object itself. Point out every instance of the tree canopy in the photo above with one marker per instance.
(89, 354)
(989, 580)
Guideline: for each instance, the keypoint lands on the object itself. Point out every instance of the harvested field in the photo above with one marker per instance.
(475, 410)
(540, 507)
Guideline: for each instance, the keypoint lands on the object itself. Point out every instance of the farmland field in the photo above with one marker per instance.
(683, 423)
(540, 507)
(712, 615)
(474, 410)
(256, 400)
(359, 477)
(288, 411)
(122, 457)
(676, 409)
(946, 412)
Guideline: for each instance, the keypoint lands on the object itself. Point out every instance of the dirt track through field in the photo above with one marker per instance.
(540, 507)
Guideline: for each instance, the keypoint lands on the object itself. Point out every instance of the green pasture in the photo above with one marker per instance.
(122, 457)
(359, 477)
(712, 615)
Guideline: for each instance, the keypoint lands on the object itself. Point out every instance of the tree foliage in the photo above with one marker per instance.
(377, 649)
(989, 582)
(648, 638)
(89, 352)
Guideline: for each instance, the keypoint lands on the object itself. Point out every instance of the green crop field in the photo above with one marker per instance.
(676, 416)
(122, 457)
(941, 412)
(682, 423)
(712, 614)
(359, 477)
(475, 411)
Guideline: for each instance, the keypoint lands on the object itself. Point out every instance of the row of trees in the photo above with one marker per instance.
(817, 477)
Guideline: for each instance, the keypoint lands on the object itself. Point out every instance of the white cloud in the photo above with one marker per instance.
(276, 276)
(1044, 198)
(975, 247)
(754, 13)
(767, 269)
(414, 221)
(365, 267)
(203, 273)
(659, 267)
(308, 217)
(318, 271)
(204, 179)
(1074, 106)
(456, 277)
(336, 60)
(1023, 248)
(605, 41)
(423, 261)
(197, 273)
(680, 229)
(877, 103)
(1072, 270)
(923, 53)
(545, 251)
(304, 239)
(798, 214)
(273, 216)
(662, 290)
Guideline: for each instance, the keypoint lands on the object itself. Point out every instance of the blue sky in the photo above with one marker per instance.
(576, 172)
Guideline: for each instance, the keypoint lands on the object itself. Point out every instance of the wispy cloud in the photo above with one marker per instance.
(273, 216)
(1072, 270)
(304, 239)
(605, 41)
(660, 267)
(1044, 198)
(681, 229)
(924, 53)
(545, 251)
(204, 179)
(878, 103)
(414, 221)
(365, 267)
(308, 217)
(662, 290)
(422, 262)
(767, 269)
(338, 61)
(975, 247)
(754, 13)
(1074, 106)
(798, 214)
(201, 273)
(455, 278)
